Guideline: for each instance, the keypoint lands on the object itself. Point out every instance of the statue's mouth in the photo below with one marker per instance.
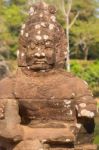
(31, 62)
(39, 64)
(40, 61)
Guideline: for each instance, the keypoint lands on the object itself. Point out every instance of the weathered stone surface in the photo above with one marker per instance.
(39, 35)
(42, 106)
(29, 145)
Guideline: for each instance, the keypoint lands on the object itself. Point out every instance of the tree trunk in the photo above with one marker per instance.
(68, 47)
(86, 54)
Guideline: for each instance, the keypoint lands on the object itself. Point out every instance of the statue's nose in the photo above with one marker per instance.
(39, 55)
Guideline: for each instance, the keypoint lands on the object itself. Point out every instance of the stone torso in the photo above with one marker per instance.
(46, 96)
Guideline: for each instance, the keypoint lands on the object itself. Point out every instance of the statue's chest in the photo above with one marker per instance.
(45, 98)
(42, 88)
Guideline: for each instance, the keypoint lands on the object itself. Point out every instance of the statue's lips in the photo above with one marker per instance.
(39, 66)
(40, 62)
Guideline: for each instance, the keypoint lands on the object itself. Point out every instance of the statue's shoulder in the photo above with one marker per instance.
(7, 87)
(70, 82)
(63, 75)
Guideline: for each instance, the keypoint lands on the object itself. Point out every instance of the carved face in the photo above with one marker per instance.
(40, 58)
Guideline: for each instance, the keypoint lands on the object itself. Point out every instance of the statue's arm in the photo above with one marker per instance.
(9, 110)
(85, 107)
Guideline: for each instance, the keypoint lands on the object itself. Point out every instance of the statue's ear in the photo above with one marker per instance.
(21, 56)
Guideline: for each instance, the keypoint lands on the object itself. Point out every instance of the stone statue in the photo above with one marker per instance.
(42, 106)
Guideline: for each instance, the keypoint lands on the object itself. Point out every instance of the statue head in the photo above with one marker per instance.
(42, 40)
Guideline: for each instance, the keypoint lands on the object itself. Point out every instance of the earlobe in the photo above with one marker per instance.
(22, 59)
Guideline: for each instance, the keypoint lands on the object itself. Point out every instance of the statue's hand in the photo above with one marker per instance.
(10, 127)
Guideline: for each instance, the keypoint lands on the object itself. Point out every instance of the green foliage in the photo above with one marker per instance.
(88, 33)
(14, 13)
(14, 18)
(11, 18)
(18, 2)
(96, 139)
(87, 8)
(88, 71)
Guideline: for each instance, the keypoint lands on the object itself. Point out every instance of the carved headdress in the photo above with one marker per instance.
(41, 31)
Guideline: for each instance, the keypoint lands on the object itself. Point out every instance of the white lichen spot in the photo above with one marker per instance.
(65, 54)
(68, 106)
(68, 140)
(23, 26)
(18, 53)
(82, 105)
(37, 54)
(78, 125)
(67, 102)
(43, 24)
(76, 106)
(87, 113)
(43, 54)
(31, 11)
(79, 115)
(44, 140)
(47, 43)
(92, 114)
(28, 67)
(43, 71)
(22, 32)
(58, 29)
(71, 112)
(38, 37)
(45, 37)
(72, 131)
(38, 49)
(37, 26)
(51, 26)
(22, 54)
(41, 15)
(38, 32)
(53, 18)
(57, 104)
(73, 94)
(86, 83)
(91, 94)
(45, 5)
(26, 34)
